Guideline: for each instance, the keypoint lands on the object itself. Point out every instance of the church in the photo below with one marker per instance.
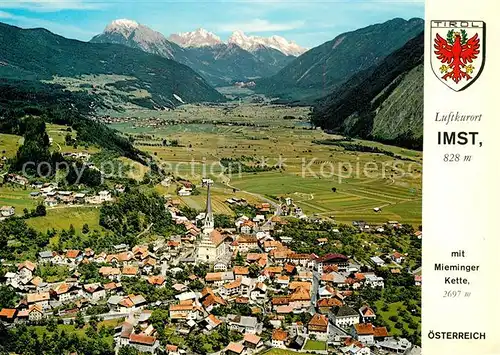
(212, 245)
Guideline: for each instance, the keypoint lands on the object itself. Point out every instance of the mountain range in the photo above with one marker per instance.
(366, 83)
(322, 69)
(241, 58)
(37, 54)
(198, 38)
(204, 38)
(383, 103)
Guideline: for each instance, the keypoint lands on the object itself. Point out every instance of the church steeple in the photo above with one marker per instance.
(208, 225)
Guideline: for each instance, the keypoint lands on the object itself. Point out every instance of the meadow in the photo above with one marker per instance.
(40, 331)
(9, 144)
(265, 135)
(324, 180)
(58, 135)
(63, 217)
(18, 198)
(315, 345)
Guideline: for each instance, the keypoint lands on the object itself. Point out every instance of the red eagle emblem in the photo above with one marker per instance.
(457, 53)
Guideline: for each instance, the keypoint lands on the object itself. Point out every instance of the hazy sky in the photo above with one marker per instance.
(309, 23)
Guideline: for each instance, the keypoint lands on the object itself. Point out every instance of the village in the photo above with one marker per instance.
(246, 279)
(49, 195)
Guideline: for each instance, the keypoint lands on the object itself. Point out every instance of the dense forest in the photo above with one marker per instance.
(136, 211)
(34, 156)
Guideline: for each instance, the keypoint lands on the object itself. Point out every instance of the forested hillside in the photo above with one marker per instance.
(325, 68)
(38, 54)
(384, 103)
(22, 100)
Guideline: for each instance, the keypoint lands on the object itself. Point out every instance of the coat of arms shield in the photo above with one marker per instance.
(458, 52)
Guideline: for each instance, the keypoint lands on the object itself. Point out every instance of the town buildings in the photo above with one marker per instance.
(290, 297)
(211, 246)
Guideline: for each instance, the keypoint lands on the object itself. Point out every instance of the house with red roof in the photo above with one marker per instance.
(246, 243)
(354, 347)
(131, 303)
(319, 326)
(185, 311)
(234, 349)
(324, 305)
(8, 314)
(94, 291)
(72, 256)
(111, 273)
(240, 271)
(398, 258)
(367, 314)
(26, 269)
(252, 341)
(172, 349)
(211, 322)
(34, 313)
(158, 280)
(144, 343)
(210, 300)
(366, 333)
(278, 338)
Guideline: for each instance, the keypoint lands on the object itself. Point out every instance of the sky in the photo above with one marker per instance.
(307, 22)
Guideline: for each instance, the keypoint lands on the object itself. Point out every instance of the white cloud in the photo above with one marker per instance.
(52, 5)
(5, 15)
(64, 29)
(259, 25)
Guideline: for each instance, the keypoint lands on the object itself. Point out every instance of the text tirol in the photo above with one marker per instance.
(461, 138)
(458, 24)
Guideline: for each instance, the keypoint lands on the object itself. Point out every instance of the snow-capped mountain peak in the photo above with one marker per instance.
(239, 38)
(252, 43)
(238, 35)
(145, 37)
(123, 26)
(197, 38)
(204, 38)
(136, 35)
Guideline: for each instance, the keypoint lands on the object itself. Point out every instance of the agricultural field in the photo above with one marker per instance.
(324, 180)
(191, 141)
(355, 199)
(18, 198)
(102, 85)
(63, 217)
(236, 92)
(232, 113)
(9, 144)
